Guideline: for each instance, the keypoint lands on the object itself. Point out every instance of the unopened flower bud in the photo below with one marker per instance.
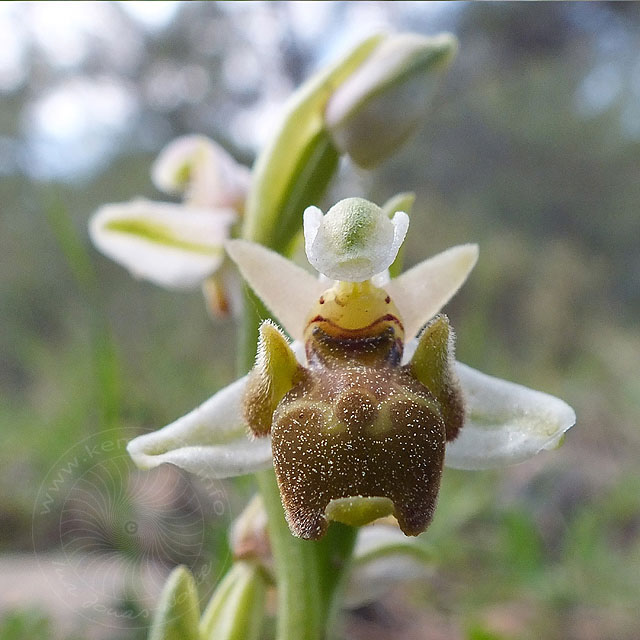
(248, 536)
(236, 609)
(378, 108)
(178, 611)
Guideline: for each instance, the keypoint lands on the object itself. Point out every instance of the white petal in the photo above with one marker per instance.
(297, 346)
(381, 279)
(409, 349)
(423, 290)
(171, 172)
(286, 289)
(355, 240)
(377, 537)
(210, 441)
(223, 292)
(506, 422)
(168, 244)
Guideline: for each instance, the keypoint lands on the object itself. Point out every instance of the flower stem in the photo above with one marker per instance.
(292, 172)
(297, 571)
(334, 558)
(309, 573)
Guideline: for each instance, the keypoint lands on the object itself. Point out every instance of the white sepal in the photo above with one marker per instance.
(169, 244)
(505, 422)
(211, 441)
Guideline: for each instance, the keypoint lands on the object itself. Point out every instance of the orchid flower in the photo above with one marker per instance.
(357, 423)
(180, 245)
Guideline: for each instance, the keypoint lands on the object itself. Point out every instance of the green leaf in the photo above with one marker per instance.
(480, 633)
(522, 543)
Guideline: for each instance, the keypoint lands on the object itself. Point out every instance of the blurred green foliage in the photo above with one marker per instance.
(25, 624)
(533, 151)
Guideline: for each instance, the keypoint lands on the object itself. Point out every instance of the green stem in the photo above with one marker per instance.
(297, 571)
(335, 552)
(309, 574)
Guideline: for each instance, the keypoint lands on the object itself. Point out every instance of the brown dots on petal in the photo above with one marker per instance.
(387, 299)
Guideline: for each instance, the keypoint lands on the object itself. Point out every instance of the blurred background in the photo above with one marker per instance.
(532, 150)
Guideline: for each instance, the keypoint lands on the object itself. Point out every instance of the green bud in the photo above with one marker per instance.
(295, 167)
(236, 610)
(178, 612)
(384, 101)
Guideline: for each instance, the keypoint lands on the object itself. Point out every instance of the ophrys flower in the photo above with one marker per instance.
(360, 423)
(180, 245)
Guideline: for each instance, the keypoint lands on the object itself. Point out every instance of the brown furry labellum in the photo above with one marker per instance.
(355, 426)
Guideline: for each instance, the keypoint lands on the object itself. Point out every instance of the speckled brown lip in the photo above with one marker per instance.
(356, 423)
